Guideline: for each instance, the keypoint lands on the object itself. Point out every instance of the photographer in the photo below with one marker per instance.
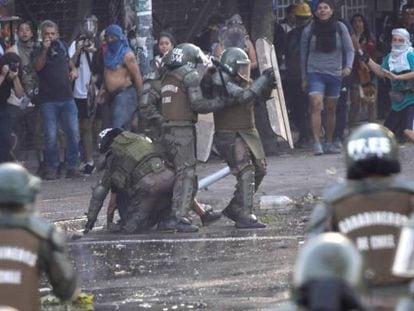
(9, 79)
(27, 124)
(56, 72)
(82, 52)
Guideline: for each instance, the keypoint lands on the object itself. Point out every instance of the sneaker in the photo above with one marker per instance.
(88, 169)
(332, 149)
(50, 175)
(72, 173)
(317, 149)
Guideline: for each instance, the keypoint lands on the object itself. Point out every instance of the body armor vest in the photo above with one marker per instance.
(239, 117)
(129, 151)
(176, 105)
(367, 219)
(19, 269)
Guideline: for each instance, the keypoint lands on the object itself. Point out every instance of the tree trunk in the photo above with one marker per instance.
(137, 22)
(262, 26)
(84, 9)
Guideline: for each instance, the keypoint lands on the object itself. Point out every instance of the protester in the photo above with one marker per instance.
(27, 117)
(398, 66)
(29, 245)
(327, 55)
(234, 34)
(83, 52)
(123, 80)
(166, 42)
(363, 90)
(56, 72)
(296, 98)
(9, 80)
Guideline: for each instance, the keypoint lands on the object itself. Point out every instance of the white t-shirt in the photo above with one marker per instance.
(80, 89)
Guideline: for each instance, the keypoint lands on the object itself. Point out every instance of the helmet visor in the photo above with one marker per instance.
(243, 71)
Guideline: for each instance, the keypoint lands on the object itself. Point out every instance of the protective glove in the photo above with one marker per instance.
(269, 73)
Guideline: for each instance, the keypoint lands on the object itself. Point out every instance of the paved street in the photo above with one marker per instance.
(218, 268)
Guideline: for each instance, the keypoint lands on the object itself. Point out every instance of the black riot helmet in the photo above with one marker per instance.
(17, 185)
(371, 150)
(106, 137)
(185, 54)
(236, 62)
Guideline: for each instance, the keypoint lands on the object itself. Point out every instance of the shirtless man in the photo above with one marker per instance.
(123, 80)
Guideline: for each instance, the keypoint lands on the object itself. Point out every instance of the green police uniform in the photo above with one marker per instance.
(28, 244)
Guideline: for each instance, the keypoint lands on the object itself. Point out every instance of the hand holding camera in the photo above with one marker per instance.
(5, 70)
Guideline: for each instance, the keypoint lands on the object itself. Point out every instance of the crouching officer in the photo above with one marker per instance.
(139, 180)
(236, 137)
(327, 274)
(370, 207)
(28, 244)
(135, 171)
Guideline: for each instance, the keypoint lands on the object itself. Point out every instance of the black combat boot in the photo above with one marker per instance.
(209, 217)
(174, 224)
(249, 222)
(231, 211)
(245, 190)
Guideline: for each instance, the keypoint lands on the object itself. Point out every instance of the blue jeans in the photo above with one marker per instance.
(124, 104)
(66, 112)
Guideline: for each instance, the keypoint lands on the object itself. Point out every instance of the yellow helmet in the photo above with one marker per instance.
(302, 9)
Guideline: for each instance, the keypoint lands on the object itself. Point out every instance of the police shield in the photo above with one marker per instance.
(205, 135)
(404, 257)
(276, 106)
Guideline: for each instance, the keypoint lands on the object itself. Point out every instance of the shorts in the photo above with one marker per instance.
(322, 83)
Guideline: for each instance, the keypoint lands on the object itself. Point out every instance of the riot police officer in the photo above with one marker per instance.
(140, 181)
(136, 174)
(236, 137)
(370, 207)
(28, 244)
(327, 274)
(182, 99)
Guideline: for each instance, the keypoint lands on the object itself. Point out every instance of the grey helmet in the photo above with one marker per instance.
(371, 149)
(17, 185)
(236, 62)
(184, 54)
(328, 256)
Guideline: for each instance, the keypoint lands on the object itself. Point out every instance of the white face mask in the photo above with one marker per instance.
(399, 47)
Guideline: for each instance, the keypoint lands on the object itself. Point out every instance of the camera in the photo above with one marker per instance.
(14, 67)
(54, 47)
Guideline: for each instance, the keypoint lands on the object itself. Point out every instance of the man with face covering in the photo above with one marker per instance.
(123, 79)
(327, 55)
(398, 66)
